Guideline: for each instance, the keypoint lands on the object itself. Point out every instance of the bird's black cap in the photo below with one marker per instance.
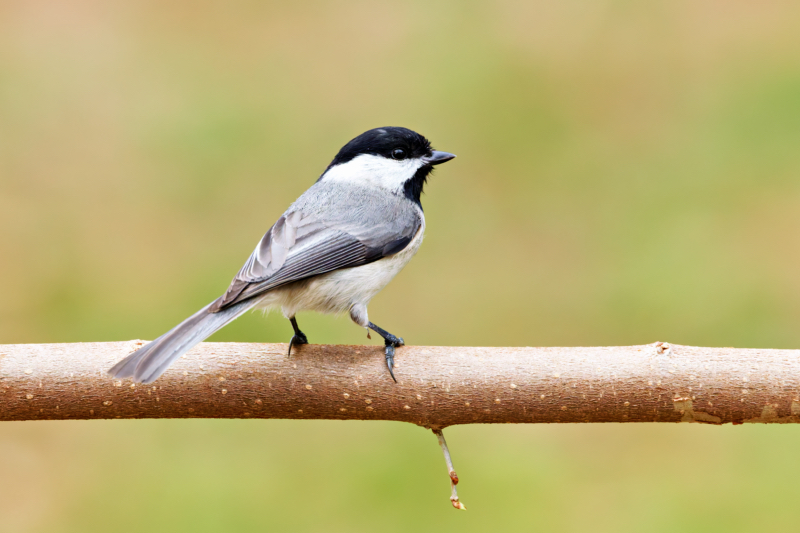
(384, 142)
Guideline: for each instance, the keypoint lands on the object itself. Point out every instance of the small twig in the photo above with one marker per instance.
(450, 470)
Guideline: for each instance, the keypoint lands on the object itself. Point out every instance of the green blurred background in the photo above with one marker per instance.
(627, 173)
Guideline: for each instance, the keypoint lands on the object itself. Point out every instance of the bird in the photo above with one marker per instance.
(332, 251)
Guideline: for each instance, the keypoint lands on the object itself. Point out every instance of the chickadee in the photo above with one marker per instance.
(332, 251)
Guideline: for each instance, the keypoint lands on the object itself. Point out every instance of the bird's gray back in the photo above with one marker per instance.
(370, 215)
(330, 227)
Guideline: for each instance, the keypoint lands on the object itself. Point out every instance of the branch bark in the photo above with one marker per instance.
(437, 386)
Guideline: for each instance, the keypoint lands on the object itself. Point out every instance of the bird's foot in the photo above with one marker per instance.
(297, 339)
(391, 339)
(391, 344)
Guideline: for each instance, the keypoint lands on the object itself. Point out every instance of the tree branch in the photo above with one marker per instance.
(437, 386)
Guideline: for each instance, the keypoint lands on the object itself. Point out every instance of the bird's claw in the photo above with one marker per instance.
(391, 343)
(390, 359)
(297, 339)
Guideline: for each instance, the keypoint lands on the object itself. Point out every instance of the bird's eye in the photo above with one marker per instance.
(398, 153)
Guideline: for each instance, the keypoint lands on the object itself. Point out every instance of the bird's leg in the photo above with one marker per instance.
(453, 476)
(298, 338)
(391, 343)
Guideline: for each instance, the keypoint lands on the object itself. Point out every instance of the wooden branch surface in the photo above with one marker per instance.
(437, 386)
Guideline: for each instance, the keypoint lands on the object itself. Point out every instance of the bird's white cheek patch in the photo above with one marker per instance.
(376, 171)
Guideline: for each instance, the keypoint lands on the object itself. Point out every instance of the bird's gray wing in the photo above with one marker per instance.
(302, 244)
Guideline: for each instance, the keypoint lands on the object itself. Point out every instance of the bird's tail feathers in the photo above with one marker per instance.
(146, 364)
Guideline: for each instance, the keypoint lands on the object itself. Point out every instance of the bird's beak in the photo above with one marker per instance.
(437, 158)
